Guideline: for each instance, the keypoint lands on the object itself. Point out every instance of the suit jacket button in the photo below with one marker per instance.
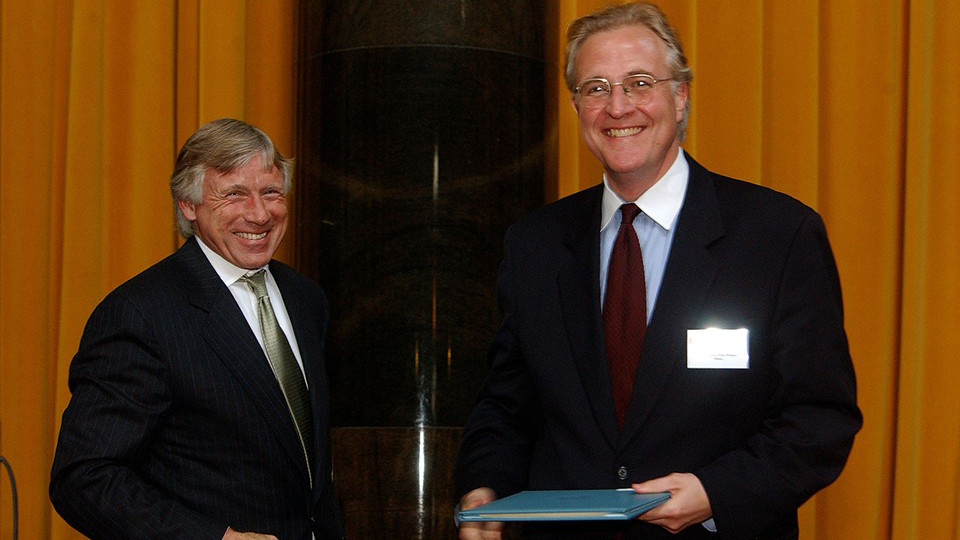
(622, 473)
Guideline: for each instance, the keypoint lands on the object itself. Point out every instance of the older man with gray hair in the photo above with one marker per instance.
(668, 330)
(199, 403)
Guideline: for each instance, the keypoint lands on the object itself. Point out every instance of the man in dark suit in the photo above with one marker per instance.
(199, 403)
(670, 330)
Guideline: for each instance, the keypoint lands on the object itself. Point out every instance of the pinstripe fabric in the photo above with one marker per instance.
(177, 428)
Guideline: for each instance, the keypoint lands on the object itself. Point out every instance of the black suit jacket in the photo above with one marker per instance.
(761, 440)
(177, 428)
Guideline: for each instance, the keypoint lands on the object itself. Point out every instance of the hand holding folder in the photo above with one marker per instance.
(565, 505)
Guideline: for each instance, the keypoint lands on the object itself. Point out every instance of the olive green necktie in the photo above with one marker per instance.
(284, 363)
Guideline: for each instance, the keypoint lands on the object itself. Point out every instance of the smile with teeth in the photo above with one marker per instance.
(250, 236)
(623, 132)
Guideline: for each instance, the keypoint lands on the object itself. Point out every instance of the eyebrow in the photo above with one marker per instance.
(234, 187)
(629, 73)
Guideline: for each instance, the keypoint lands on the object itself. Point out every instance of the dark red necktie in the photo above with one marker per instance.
(625, 311)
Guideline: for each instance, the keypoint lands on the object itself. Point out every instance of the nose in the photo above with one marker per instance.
(256, 210)
(618, 104)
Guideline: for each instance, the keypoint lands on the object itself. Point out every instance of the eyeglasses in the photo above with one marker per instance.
(596, 92)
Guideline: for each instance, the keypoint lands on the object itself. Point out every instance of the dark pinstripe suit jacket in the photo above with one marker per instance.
(177, 428)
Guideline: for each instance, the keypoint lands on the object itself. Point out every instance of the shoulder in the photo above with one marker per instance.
(285, 273)
(580, 205)
(746, 204)
(161, 281)
(570, 214)
(754, 197)
(183, 277)
(146, 306)
(295, 286)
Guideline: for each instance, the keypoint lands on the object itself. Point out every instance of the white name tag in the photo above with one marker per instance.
(717, 348)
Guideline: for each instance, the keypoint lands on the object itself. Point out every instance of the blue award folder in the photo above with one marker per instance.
(566, 505)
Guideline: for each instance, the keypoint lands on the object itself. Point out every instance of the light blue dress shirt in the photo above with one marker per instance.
(659, 208)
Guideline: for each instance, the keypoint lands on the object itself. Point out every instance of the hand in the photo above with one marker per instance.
(688, 503)
(479, 530)
(234, 535)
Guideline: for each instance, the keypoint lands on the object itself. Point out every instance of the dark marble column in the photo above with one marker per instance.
(421, 141)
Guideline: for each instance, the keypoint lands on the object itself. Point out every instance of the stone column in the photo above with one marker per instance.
(421, 140)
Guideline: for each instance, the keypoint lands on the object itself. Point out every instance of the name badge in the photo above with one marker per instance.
(718, 348)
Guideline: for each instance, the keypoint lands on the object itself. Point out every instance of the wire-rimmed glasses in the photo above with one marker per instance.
(596, 92)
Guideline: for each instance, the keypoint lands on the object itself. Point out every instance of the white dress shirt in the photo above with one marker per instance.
(247, 301)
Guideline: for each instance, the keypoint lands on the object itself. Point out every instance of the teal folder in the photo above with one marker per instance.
(566, 505)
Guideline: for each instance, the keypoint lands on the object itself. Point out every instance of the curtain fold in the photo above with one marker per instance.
(927, 445)
(850, 106)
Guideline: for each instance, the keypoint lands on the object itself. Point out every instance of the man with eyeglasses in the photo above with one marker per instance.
(669, 330)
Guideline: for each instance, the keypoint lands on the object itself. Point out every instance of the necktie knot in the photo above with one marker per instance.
(628, 213)
(257, 282)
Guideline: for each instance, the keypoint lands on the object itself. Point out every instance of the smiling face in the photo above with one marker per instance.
(635, 144)
(243, 214)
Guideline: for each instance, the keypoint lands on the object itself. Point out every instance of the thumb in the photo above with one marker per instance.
(656, 485)
(477, 497)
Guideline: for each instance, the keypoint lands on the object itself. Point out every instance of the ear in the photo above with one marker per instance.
(680, 98)
(573, 102)
(188, 209)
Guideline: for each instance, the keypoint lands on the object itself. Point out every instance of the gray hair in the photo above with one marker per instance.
(223, 145)
(636, 13)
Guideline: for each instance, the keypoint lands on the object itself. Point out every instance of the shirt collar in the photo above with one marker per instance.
(227, 271)
(661, 202)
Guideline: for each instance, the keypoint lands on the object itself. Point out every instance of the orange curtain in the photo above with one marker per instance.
(852, 107)
(96, 96)
(927, 444)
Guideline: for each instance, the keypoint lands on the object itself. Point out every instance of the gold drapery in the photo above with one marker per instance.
(851, 106)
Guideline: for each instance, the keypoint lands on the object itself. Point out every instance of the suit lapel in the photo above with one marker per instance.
(579, 286)
(227, 333)
(309, 333)
(690, 271)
